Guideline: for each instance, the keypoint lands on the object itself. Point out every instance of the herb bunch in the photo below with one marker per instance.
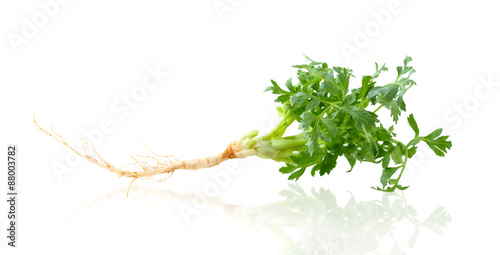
(336, 121)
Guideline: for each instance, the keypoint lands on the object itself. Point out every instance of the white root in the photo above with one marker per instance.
(162, 164)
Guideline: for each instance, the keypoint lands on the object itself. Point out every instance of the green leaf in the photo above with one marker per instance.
(283, 97)
(382, 134)
(308, 120)
(297, 174)
(288, 168)
(329, 123)
(397, 154)
(312, 134)
(379, 70)
(385, 161)
(387, 173)
(312, 61)
(387, 93)
(314, 103)
(366, 85)
(388, 189)
(435, 133)
(401, 103)
(393, 106)
(361, 117)
(313, 143)
(351, 160)
(412, 151)
(343, 75)
(299, 98)
(393, 181)
(438, 144)
(275, 88)
(349, 100)
(402, 187)
(304, 159)
(333, 88)
(289, 85)
(366, 152)
(413, 124)
(326, 165)
(391, 97)
(405, 69)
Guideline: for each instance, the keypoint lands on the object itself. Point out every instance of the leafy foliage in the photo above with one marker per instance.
(338, 122)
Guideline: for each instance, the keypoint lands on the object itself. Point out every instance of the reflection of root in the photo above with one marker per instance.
(149, 166)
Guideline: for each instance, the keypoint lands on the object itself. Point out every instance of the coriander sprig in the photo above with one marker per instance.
(337, 122)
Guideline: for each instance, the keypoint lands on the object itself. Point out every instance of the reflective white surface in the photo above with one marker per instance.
(300, 223)
(188, 80)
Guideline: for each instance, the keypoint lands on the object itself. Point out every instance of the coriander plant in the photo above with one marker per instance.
(334, 120)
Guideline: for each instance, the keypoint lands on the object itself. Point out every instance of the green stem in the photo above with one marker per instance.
(279, 129)
(402, 169)
(279, 149)
(332, 104)
(324, 111)
(377, 109)
(404, 163)
(288, 142)
(397, 78)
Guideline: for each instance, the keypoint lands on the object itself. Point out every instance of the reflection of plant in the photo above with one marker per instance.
(306, 224)
(327, 228)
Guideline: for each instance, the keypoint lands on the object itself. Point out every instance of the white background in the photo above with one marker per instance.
(73, 63)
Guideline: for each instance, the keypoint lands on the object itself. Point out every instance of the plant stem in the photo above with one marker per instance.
(404, 163)
(280, 128)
